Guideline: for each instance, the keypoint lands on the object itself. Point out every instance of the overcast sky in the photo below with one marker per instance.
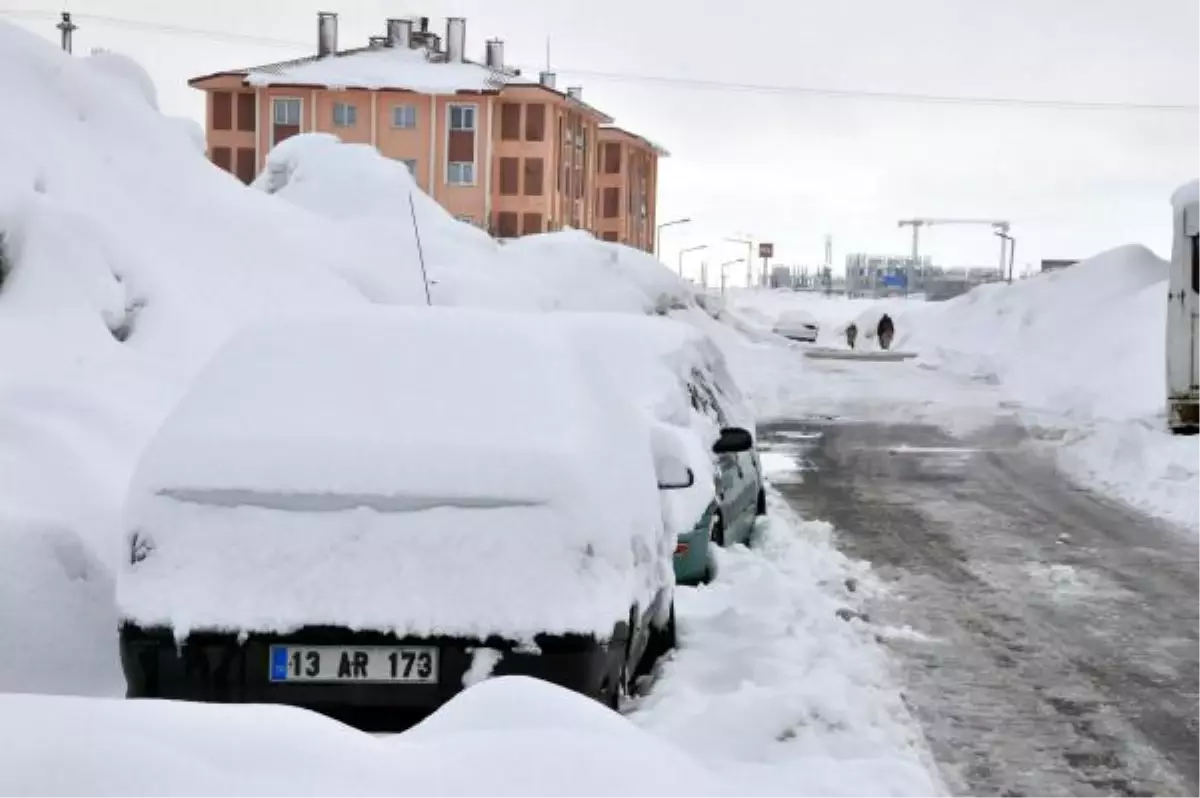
(788, 166)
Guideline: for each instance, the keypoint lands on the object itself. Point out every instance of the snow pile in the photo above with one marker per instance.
(506, 736)
(374, 198)
(359, 445)
(1087, 342)
(776, 691)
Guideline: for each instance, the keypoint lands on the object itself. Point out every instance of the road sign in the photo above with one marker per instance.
(766, 250)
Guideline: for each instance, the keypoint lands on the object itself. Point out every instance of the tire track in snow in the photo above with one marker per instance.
(1068, 623)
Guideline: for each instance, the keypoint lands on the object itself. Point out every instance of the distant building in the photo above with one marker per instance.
(511, 154)
(884, 275)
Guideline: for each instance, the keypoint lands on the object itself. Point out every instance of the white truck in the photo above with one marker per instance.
(1183, 403)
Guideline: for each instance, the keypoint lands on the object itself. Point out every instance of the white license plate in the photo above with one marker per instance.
(398, 664)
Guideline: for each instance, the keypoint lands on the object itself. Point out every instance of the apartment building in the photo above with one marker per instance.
(509, 153)
(626, 187)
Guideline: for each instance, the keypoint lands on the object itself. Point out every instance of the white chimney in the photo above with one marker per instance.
(546, 79)
(575, 93)
(495, 54)
(456, 39)
(326, 33)
(399, 32)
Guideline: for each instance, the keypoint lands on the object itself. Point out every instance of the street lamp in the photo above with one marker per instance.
(658, 232)
(723, 265)
(682, 252)
(749, 258)
(1012, 246)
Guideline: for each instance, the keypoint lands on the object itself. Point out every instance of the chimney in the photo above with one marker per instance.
(378, 42)
(67, 27)
(424, 24)
(495, 54)
(326, 33)
(546, 79)
(575, 93)
(456, 39)
(399, 32)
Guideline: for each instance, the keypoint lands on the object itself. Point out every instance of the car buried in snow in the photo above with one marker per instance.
(680, 377)
(797, 325)
(363, 515)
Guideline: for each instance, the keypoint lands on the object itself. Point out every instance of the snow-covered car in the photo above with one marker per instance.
(797, 325)
(371, 512)
(679, 375)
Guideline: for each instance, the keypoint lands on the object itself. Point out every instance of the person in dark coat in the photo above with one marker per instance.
(886, 330)
(851, 334)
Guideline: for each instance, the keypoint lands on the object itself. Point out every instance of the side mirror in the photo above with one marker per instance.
(673, 475)
(733, 440)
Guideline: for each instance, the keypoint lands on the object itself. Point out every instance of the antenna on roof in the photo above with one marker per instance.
(547, 53)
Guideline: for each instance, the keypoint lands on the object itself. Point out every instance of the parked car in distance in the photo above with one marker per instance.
(680, 377)
(797, 325)
(363, 515)
(740, 496)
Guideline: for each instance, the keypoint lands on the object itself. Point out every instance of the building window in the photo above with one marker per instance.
(462, 117)
(506, 224)
(460, 173)
(609, 235)
(411, 163)
(612, 159)
(466, 219)
(510, 121)
(535, 173)
(223, 157)
(509, 176)
(535, 122)
(404, 116)
(285, 117)
(247, 120)
(245, 167)
(222, 110)
(345, 115)
(612, 202)
(531, 224)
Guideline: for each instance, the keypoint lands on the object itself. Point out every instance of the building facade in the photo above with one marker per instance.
(513, 155)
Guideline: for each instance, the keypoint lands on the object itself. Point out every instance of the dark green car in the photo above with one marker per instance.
(740, 496)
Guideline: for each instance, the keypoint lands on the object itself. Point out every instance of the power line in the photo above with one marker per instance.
(664, 80)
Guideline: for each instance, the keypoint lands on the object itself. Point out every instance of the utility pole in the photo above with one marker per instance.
(66, 27)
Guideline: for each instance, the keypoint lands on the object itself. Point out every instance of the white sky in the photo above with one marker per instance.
(790, 167)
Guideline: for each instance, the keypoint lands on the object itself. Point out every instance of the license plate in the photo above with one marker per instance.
(366, 664)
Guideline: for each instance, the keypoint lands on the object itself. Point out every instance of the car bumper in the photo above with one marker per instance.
(218, 667)
(691, 555)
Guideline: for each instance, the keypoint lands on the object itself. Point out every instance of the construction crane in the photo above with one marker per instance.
(999, 227)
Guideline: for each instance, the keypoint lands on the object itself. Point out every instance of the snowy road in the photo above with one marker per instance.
(1053, 640)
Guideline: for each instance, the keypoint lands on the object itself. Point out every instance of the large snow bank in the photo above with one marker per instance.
(404, 470)
(369, 195)
(1087, 342)
(506, 736)
(776, 691)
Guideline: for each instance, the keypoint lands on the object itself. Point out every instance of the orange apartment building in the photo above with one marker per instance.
(513, 155)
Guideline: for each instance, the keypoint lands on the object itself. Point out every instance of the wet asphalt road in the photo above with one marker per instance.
(1053, 642)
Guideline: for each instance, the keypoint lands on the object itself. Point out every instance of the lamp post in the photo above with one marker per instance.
(683, 252)
(658, 231)
(723, 265)
(1012, 246)
(749, 259)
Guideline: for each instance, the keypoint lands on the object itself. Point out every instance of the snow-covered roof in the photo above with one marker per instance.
(659, 150)
(382, 68)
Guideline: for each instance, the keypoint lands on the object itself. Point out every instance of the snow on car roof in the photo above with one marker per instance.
(418, 470)
(379, 68)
